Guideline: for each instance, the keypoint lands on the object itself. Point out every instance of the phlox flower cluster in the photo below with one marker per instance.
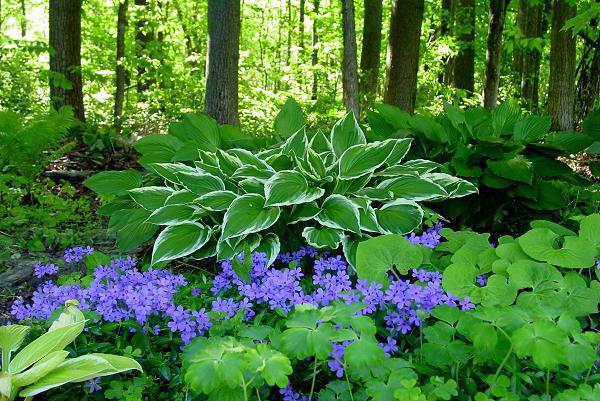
(288, 394)
(77, 254)
(40, 270)
(430, 237)
(120, 292)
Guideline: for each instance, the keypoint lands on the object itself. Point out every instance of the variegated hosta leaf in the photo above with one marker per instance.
(178, 241)
(456, 187)
(323, 237)
(362, 159)
(287, 188)
(414, 188)
(304, 212)
(251, 171)
(271, 246)
(227, 249)
(399, 216)
(216, 201)
(151, 198)
(296, 144)
(201, 183)
(340, 213)
(174, 214)
(249, 159)
(345, 134)
(412, 167)
(248, 214)
(169, 171)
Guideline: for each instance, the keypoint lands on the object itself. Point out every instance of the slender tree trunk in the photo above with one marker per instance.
(464, 63)
(447, 21)
(370, 57)
(23, 19)
(143, 36)
(588, 83)
(493, 60)
(120, 69)
(288, 55)
(224, 25)
(315, 51)
(403, 53)
(561, 91)
(349, 68)
(530, 67)
(518, 52)
(301, 24)
(65, 57)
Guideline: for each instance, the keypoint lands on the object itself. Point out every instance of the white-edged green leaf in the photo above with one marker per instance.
(340, 213)
(201, 183)
(151, 198)
(179, 241)
(216, 201)
(288, 187)
(270, 246)
(362, 159)
(173, 214)
(181, 197)
(248, 214)
(323, 237)
(169, 171)
(345, 134)
(304, 212)
(414, 188)
(399, 216)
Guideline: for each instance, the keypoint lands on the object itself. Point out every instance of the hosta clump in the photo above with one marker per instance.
(534, 311)
(327, 188)
(513, 158)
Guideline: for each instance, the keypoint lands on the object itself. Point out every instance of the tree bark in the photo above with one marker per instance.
(301, 24)
(447, 21)
(65, 56)
(315, 51)
(349, 67)
(221, 102)
(120, 68)
(464, 62)
(493, 61)
(370, 57)
(531, 57)
(403, 53)
(143, 36)
(588, 83)
(561, 91)
(23, 19)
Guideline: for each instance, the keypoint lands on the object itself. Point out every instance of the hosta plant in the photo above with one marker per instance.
(330, 189)
(520, 165)
(43, 364)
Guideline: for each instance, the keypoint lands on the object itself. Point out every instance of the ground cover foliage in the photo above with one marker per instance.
(320, 265)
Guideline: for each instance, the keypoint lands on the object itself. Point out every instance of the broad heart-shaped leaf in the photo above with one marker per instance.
(363, 354)
(544, 245)
(199, 130)
(515, 169)
(41, 368)
(289, 119)
(323, 237)
(362, 159)
(248, 214)
(135, 230)
(345, 134)
(151, 198)
(544, 341)
(157, 148)
(179, 241)
(589, 229)
(459, 279)
(216, 201)
(531, 129)
(399, 216)
(200, 183)
(375, 257)
(169, 171)
(340, 213)
(288, 187)
(11, 338)
(455, 187)
(296, 144)
(173, 214)
(114, 182)
(51, 341)
(414, 188)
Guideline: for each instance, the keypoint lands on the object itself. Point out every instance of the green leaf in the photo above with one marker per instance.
(199, 130)
(459, 279)
(304, 212)
(515, 169)
(11, 338)
(589, 229)
(364, 353)
(362, 159)
(287, 188)
(136, 230)
(200, 183)
(531, 129)
(273, 366)
(323, 237)
(290, 119)
(178, 241)
(216, 201)
(376, 256)
(40, 369)
(591, 125)
(345, 134)
(340, 213)
(271, 246)
(114, 182)
(169, 171)
(413, 188)
(157, 148)
(544, 244)
(296, 144)
(248, 214)
(151, 198)
(399, 216)
(173, 214)
(543, 341)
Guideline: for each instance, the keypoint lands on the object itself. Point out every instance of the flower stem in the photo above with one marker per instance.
(314, 379)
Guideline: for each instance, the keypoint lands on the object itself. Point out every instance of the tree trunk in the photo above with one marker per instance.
(288, 55)
(371, 52)
(23, 19)
(66, 84)
(315, 51)
(143, 36)
(120, 69)
(464, 62)
(561, 91)
(349, 67)
(301, 24)
(530, 67)
(588, 84)
(403, 53)
(221, 102)
(447, 20)
(493, 60)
